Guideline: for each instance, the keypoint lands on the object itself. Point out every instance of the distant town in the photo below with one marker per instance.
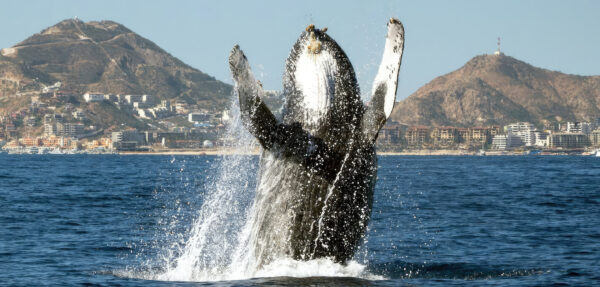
(53, 124)
(519, 137)
(63, 127)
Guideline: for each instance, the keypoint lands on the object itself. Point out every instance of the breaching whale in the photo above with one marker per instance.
(318, 164)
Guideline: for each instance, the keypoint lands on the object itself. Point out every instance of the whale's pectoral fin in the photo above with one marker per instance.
(386, 82)
(255, 114)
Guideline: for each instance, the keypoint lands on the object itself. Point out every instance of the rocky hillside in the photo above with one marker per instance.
(498, 89)
(104, 57)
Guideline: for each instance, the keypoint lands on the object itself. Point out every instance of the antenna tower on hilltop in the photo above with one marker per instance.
(498, 51)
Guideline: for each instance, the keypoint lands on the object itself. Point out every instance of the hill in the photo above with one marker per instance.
(498, 89)
(104, 57)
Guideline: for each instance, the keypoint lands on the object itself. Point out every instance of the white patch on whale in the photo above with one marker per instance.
(388, 70)
(315, 78)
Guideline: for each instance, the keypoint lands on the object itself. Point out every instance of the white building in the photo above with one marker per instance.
(111, 98)
(53, 88)
(69, 130)
(524, 130)
(579, 128)
(507, 141)
(541, 139)
(93, 97)
(198, 117)
(145, 99)
(499, 142)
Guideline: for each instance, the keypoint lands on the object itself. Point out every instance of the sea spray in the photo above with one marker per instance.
(207, 253)
(220, 243)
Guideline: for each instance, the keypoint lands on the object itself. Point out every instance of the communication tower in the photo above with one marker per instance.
(498, 52)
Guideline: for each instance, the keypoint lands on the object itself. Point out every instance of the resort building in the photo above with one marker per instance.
(507, 141)
(389, 134)
(29, 141)
(541, 139)
(579, 128)
(69, 130)
(595, 138)
(479, 135)
(49, 129)
(524, 130)
(416, 136)
(444, 136)
(463, 134)
(568, 140)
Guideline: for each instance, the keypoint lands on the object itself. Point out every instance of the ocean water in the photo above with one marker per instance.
(109, 220)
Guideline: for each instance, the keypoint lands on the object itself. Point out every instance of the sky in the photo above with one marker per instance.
(441, 36)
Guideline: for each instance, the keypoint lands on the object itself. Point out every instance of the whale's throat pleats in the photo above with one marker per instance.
(315, 80)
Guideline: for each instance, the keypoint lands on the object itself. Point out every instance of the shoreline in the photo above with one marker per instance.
(224, 151)
(228, 151)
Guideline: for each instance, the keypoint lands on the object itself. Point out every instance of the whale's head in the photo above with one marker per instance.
(320, 84)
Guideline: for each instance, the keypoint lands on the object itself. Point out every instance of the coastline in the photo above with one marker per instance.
(256, 151)
(213, 151)
(224, 151)
(228, 151)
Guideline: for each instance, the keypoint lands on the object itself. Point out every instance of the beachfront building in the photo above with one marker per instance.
(416, 136)
(389, 134)
(494, 130)
(568, 140)
(541, 139)
(463, 134)
(595, 138)
(127, 139)
(505, 142)
(524, 130)
(479, 135)
(499, 142)
(444, 136)
(30, 141)
(69, 130)
(579, 128)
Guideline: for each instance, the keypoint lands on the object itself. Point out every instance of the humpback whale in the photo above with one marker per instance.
(318, 164)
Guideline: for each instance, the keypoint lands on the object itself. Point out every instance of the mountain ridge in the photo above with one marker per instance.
(499, 89)
(105, 56)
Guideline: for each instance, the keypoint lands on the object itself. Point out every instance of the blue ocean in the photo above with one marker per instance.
(110, 220)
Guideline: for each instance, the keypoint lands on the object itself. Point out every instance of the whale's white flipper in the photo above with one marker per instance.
(386, 81)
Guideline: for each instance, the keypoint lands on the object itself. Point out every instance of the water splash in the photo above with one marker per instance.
(220, 241)
(215, 233)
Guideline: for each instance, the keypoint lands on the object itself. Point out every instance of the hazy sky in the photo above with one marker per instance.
(440, 35)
